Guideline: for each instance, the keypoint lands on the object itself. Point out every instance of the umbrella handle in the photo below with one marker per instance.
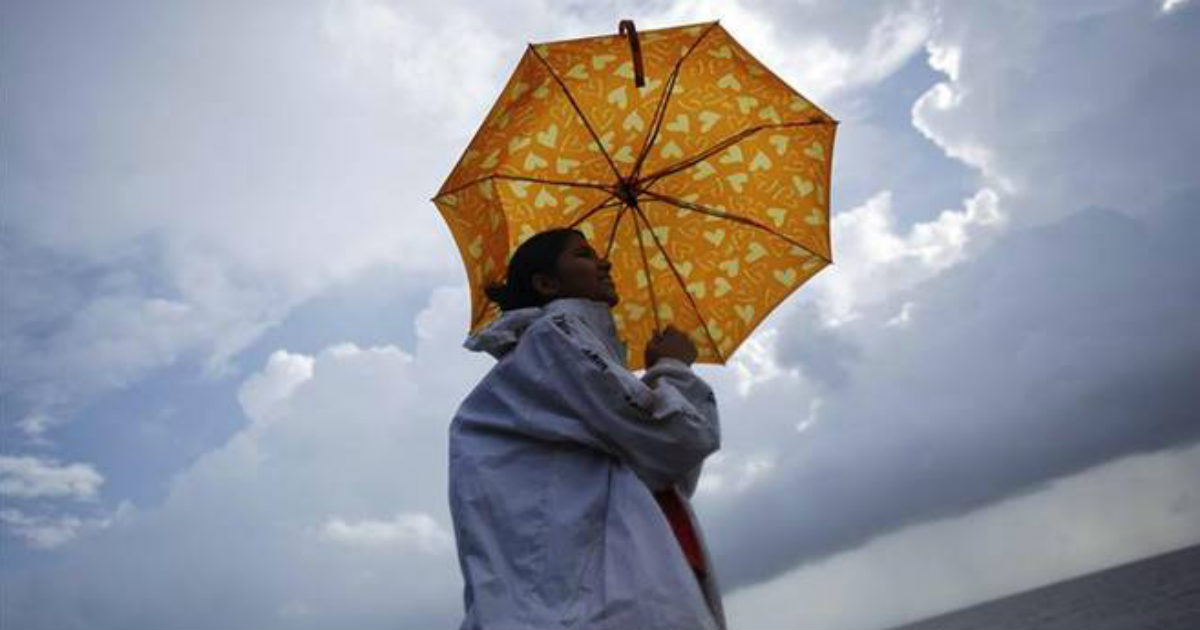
(627, 29)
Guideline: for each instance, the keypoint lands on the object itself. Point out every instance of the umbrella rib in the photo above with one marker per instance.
(606, 203)
(464, 186)
(575, 106)
(649, 180)
(612, 235)
(680, 280)
(646, 267)
(736, 218)
(554, 182)
(661, 109)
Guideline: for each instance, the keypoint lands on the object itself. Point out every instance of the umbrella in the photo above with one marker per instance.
(702, 176)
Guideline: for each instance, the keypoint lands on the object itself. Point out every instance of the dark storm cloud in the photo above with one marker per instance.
(825, 354)
(1061, 348)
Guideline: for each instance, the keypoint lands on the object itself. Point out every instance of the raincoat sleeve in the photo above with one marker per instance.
(663, 426)
(679, 375)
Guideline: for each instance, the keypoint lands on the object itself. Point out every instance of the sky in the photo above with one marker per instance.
(231, 330)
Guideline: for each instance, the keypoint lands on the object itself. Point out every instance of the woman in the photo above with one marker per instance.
(569, 476)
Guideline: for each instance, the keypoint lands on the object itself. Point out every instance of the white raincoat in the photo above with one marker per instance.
(552, 460)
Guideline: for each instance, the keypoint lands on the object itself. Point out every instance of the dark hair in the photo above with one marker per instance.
(539, 254)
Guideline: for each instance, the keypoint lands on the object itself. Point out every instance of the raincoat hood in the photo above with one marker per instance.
(501, 336)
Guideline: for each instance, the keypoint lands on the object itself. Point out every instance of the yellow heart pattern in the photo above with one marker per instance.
(721, 53)
(599, 61)
(681, 124)
(703, 169)
(670, 150)
(619, 97)
(780, 142)
(577, 72)
(721, 286)
(737, 181)
(760, 162)
(520, 188)
(518, 143)
(708, 120)
(729, 82)
(548, 137)
(544, 199)
(563, 166)
(745, 312)
(633, 122)
(747, 145)
(534, 162)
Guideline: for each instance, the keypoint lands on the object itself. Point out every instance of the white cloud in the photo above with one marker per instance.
(1065, 529)
(825, 51)
(903, 318)
(754, 362)
(265, 394)
(450, 63)
(229, 183)
(27, 477)
(49, 532)
(728, 473)
(416, 531)
(940, 100)
(1172, 5)
(337, 500)
(814, 414)
(945, 59)
(35, 426)
(1027, 102)
(755, 469)
(41, 532)
(310, 157)
(874, 261)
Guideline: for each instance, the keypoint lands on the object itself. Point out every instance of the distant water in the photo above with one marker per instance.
(1162, 593)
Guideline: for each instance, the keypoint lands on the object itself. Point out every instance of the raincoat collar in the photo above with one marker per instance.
(501, 336)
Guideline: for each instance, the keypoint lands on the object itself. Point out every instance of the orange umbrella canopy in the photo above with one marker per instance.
(700, 174)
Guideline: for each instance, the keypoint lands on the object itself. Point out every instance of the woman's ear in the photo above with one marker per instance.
(548, 286)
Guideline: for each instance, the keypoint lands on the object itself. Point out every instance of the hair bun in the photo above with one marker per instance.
(500, 294)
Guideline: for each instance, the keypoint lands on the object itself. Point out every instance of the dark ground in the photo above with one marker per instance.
(1162, 593)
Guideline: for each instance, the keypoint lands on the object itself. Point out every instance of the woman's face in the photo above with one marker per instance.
(581, 273)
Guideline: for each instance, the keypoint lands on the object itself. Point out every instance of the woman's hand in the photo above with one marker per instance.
(670, 343)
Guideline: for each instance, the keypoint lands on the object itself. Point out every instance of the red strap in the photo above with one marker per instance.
(681, 524)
